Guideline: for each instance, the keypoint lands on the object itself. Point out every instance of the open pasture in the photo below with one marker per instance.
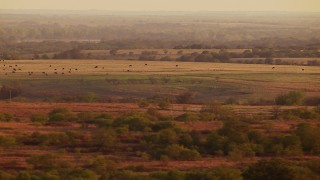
(118, 79)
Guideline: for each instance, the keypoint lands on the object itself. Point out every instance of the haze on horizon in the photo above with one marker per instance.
(166, 5)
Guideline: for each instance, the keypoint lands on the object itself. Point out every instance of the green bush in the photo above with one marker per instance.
(60, 115)
(300, 113)
(178, 152)
(310, 138)
(7, 141)
(135, 122)
(47, 162)
(143, 104)
(291, 98)
(268, 170)
(6, 176)
(105, 137)
(39, 118)
(5, 117)
(81, 174)
(187, 117)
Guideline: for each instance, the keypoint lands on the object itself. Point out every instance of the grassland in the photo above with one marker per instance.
(121, 79)
(119, 84)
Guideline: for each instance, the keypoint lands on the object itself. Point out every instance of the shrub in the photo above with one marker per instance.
(6, 176)
(81, 174)
(5, 117)
(135, 122)
(268, 170)
(178, 152)
(300, 113)
(291, 98)
(310, 138)
(215, 111)
(7, 141)
(47, 162)
(187, 117)
(185, 98)
(60, 115)
(143, 104)
(164, 104)
(102, 165)
(39, 118)
(105, 137)
(90, 97)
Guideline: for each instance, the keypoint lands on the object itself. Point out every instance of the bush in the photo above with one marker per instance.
(268, 170)
(47, 162)
(310, 138)
(105, 137)
(81, 174)
(291, 98)
(215, 111)
(135, 122)
(89, 97)
(5, 117)
(185, 98)
(300, 113)
(164, 104)
(6, 176)
(60, 115)
(178, 152)
(7, 141)
(143, 104)
(101, 165)
(187, 117)
(39, 118)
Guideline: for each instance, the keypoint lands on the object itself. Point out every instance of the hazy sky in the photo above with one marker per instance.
(166, 5)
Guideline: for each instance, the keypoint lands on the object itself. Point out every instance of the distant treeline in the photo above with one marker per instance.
(254, 56)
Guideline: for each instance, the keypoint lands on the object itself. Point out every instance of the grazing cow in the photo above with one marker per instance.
(177, 65)
(96, 67)
(273, 67)
(130, 65)
(302, 69)
(146, 64)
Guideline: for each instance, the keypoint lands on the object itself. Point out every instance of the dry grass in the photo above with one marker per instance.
(87, 67)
